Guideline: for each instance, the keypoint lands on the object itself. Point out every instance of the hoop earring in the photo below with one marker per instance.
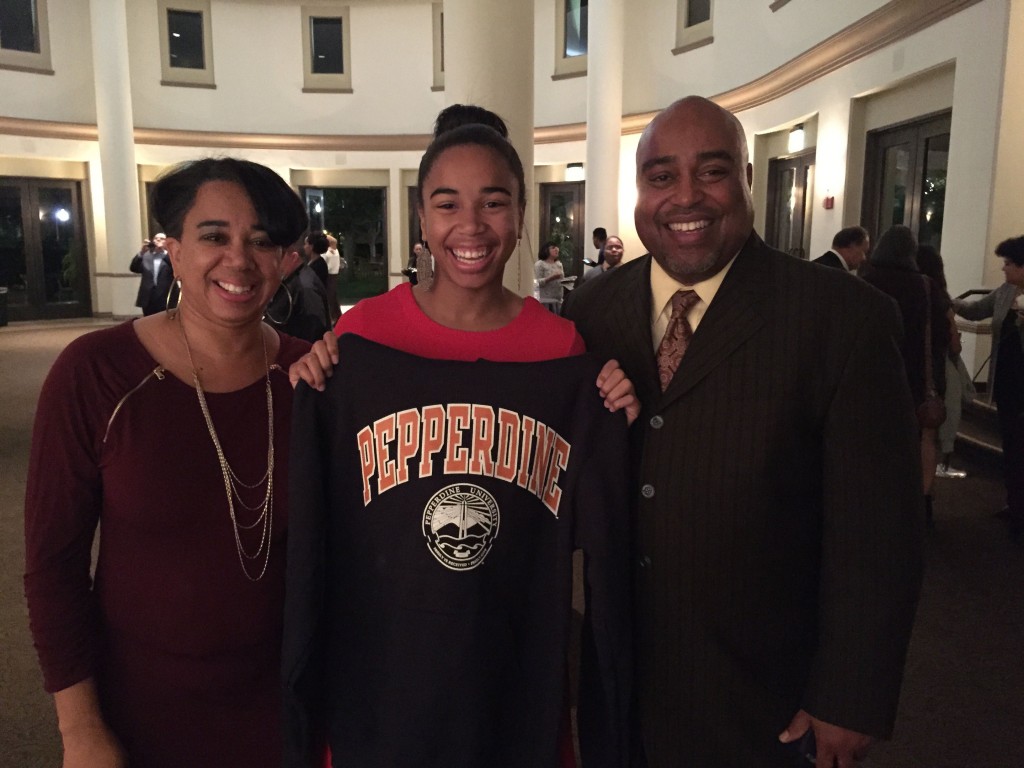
(291, 305)
(177, 296)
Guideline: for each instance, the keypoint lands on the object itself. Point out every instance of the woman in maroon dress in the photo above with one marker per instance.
(170, 433)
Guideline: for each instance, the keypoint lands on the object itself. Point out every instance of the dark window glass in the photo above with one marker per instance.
(575, 28)
(325, 44)
(933, 190)
(185, 39)
(698, 11)
(905, 178)
(19, 27)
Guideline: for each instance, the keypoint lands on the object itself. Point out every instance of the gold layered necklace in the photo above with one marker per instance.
(232, 482)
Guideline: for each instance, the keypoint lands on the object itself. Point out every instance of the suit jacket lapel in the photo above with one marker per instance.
(735, 314)
(632, 320)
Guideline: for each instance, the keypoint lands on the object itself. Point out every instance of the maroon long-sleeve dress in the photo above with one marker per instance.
(185, 650)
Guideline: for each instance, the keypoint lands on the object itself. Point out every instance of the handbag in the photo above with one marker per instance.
(932, 412)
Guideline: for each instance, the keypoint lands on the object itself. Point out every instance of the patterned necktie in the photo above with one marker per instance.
(677, 337)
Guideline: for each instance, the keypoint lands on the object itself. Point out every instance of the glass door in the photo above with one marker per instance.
(905, 178)
(357, 217)
(561, 222)
(790, 190)
(43, 261)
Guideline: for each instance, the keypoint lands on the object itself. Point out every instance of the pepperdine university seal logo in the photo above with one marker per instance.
(460, 523)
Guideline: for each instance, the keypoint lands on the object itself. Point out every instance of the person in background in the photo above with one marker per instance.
(157, 275)
(314, 248)
(778, 531)
(412, 270)
(547, 276)
(959, 386)
(850, 248)
(613, 252)
(335, 264)
(599, 236)
(1006, 370)
(301, 306)
(169, 434)
(892, 269)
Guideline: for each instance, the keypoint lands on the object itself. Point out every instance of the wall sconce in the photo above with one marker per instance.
(796, 138)
(575, 172)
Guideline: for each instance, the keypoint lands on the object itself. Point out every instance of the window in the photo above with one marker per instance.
(186, 40)
(326, 50)
(570, 38)
(693, 24)
(438, 12)
(186, 43)
(24, 36)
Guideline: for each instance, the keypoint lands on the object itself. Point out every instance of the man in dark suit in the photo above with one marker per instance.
(849, 250)
(157, 275)
(315, 246)
(779, 518)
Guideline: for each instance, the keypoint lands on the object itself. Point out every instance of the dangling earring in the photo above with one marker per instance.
(176, 295)
(291, 305)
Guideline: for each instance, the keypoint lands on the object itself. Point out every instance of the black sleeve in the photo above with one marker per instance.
(303, 657)
(136, 265)
(602, 532)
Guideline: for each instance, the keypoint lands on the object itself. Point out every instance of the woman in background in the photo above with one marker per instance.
(548, 274)
(893, 270)
(959, 386)
(170, 433)
(1006, 370)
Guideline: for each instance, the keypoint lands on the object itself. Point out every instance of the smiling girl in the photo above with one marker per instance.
(428, 600)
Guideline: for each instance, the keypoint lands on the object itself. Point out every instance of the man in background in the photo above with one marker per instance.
(335, 264)
(600, 235)
(300, 307)
(314, 247)
(849, 250)
(157, 275)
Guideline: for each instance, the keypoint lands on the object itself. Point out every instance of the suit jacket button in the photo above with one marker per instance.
(645, 561)
(647, 491)
(657, 422)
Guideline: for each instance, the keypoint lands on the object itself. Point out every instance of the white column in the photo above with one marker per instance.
(604, 116)
(122, 219)
(489, 61)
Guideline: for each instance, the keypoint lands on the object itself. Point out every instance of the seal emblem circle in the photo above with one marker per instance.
(460, 523)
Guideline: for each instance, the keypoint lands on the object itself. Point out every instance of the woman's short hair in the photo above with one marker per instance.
(543, 255)
(1012, 249)
(471, 134)
(279, 210)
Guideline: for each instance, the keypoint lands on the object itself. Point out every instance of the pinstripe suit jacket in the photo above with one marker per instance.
(778, 523)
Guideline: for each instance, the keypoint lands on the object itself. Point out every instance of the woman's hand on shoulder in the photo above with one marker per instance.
(317, 365)
(618, 391)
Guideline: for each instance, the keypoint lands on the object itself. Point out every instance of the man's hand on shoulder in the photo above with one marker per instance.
(836, 747)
